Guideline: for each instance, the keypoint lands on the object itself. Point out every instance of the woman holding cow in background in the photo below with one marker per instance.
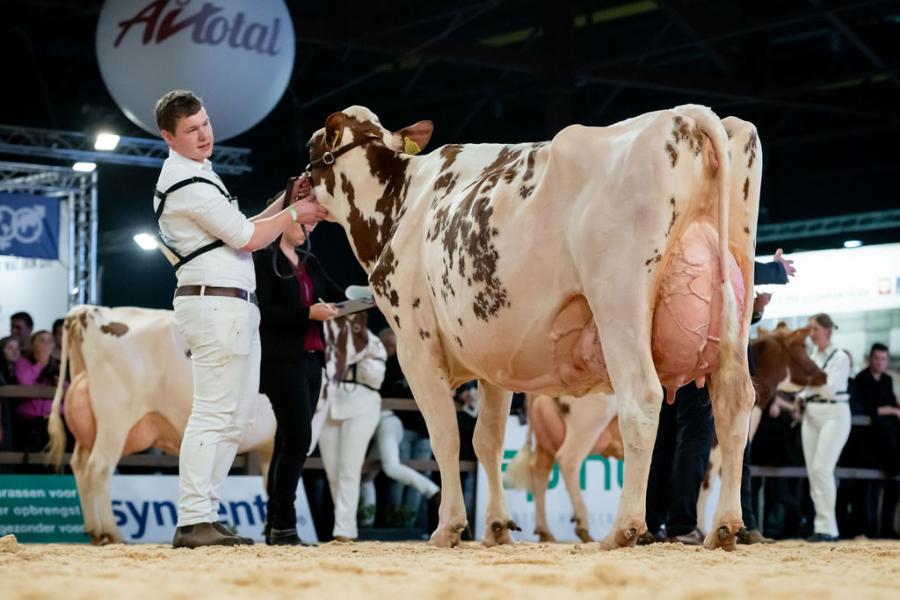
(826, 425)
(289, 284)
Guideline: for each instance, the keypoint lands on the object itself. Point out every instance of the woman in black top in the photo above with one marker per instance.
(290, 284)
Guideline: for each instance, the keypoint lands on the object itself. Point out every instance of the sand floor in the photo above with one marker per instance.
(856, 570)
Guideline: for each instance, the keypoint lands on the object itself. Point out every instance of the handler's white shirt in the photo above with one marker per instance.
(198, 214)
(837, 371)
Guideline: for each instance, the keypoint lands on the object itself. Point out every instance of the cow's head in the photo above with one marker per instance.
(359, 173)
(801, 369)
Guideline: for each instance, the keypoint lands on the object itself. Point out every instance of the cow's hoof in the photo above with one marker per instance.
(103, 539)
(624, 536)
(498, 533)
(448, 537)
(545, 536)
(583, 535)
(724, 537)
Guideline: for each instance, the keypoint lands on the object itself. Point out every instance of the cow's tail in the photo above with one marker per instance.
(56, 447)
(518, 470)
(731, 380)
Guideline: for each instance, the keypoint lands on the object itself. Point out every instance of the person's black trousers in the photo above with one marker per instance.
(293, 391)
(680, 460)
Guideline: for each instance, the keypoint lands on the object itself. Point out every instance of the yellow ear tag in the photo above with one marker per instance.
(336, 140)
(410, 147)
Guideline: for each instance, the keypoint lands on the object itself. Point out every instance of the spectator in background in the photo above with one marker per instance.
(57, 337)
(20, 326)
(874, 393)
(404, 502)
(826, 425)
(9, 355)
(32, 414)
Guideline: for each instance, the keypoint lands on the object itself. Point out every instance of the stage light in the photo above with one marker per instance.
(84, 167)
(145, 241)
(853, 244)
(106, 141)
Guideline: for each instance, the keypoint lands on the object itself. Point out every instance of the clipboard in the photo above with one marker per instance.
(349, 307)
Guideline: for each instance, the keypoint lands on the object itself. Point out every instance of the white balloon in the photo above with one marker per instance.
(237, 55)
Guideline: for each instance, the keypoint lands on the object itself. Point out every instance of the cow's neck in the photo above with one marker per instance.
(374, 212)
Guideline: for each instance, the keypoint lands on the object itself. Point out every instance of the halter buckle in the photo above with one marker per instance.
(328, 158)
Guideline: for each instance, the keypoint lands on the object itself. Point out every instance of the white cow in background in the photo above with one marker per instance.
(609, 260)
(131, 389)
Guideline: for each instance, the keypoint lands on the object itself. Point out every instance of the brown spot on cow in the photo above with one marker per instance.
(397, 321)
(381, 276)
(746, 188)
(673, 153)
(747, 230)
(416, 303)
(458, 341)
(424, 334)
(526, 191)
(115, 329)
(692, 135)
(466, 232)
(750, 148)
(561, 406)
(674, 216)
(460, 322)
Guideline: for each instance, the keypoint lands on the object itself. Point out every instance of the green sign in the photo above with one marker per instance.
(40, 508)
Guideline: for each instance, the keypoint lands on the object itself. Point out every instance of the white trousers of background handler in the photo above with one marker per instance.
(223, 336)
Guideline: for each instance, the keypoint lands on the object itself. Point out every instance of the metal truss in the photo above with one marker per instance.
(825, 226)
(79, 191)
(75, 146)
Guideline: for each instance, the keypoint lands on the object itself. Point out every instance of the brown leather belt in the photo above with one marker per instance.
(211, 290)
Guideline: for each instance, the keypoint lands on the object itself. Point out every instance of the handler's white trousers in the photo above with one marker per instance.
(825, 430)
(223, 336)
(343, 446)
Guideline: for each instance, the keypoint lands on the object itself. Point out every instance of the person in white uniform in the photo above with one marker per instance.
(826, 425)
(209, 242)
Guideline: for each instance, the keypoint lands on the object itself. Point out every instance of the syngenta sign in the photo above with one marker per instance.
(236, 54)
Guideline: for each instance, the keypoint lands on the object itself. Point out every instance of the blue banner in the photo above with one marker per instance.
(29, 226)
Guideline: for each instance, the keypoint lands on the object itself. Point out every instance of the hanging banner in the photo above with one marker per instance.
(29, 226)
(46, 508)
(600, 480)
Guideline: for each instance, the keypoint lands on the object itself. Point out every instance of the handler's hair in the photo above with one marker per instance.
(173, 106)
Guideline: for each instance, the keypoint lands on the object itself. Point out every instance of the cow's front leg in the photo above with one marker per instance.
(488, 444)
(431, 389)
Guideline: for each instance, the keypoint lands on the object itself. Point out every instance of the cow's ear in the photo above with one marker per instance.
(334, 130)
(416, 136)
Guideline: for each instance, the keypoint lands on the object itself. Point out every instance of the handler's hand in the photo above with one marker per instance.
(786, 263)
(322, 311)
(309, 213)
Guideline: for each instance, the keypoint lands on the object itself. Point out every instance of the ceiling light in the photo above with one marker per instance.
(106, 141)
(853, 244)
(84, 167)
(145, 241)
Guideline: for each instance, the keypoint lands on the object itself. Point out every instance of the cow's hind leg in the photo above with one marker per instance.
(542, 464)
(98, 470)
(488, 443)
(639, 393)
(732, 396)
(86, 495)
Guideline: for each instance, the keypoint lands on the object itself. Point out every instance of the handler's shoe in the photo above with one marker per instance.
(822, 537)
(226, 530)
(284, 537)
(202, 534)
(694, 538)
(647, 538)
(752, 536)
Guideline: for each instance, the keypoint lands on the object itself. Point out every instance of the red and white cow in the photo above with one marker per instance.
(565, 430)
(610, 259)
(131, 390)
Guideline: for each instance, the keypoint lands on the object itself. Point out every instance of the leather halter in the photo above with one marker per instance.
(328, 158)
